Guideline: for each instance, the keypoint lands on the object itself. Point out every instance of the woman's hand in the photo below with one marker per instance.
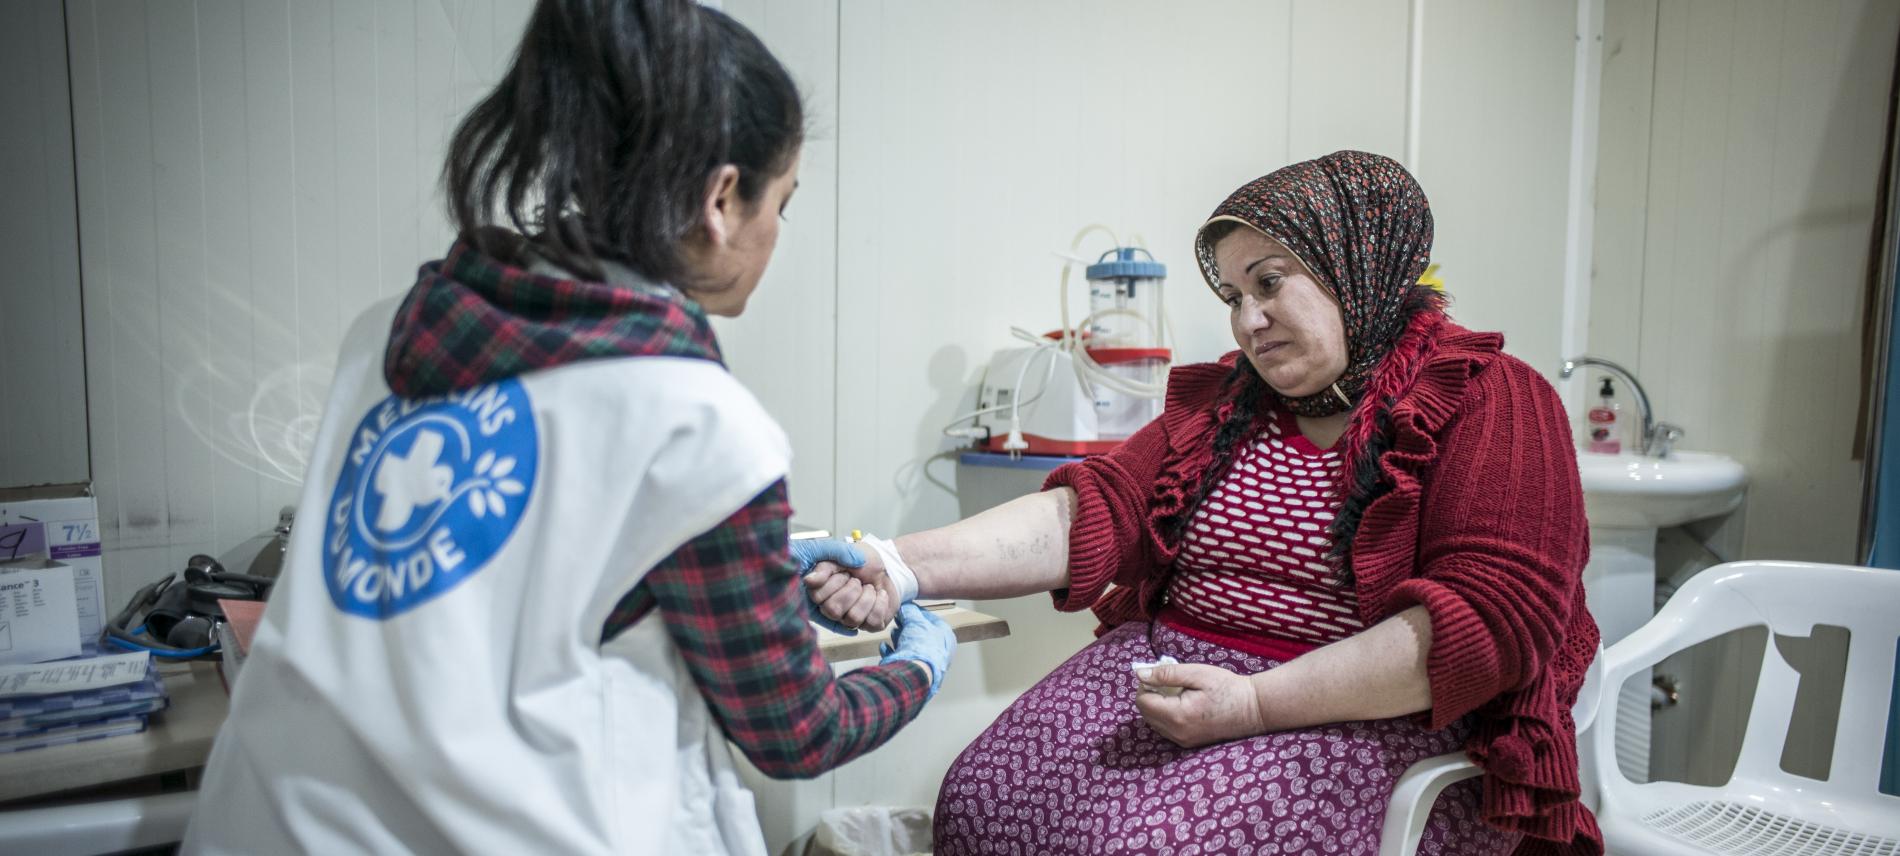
(862, 597)
(1213, 704)
(1377, 673)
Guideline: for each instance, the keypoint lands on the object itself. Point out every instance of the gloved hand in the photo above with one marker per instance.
(923, 637)
(808, 552)
(865, 597)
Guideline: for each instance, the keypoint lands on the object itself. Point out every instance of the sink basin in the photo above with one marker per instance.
(1631, 491)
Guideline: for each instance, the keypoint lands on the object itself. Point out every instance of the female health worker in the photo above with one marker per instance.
(545, 572)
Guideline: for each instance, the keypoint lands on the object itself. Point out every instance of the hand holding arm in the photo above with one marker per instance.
(810, 552)
(1017, 548)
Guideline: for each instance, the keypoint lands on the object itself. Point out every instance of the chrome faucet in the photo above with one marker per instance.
(1658, 438)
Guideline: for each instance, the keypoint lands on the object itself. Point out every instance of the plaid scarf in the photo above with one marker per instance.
(472, 318)
(1361, 224)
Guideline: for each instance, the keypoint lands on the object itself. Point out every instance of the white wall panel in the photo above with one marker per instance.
(43, 388)
(1346, 68)
(251, 176)
(784, 348)
(239, 407)
(176, 283)
(112, 128)
(1622, 187)
(1494, 155)
(1733, 284)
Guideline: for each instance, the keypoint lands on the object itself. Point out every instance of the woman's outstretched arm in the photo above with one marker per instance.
(1017, 548)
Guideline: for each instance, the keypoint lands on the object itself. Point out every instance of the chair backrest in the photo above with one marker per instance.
(1789, 598)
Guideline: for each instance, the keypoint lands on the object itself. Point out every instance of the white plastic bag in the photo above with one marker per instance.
(871, 831)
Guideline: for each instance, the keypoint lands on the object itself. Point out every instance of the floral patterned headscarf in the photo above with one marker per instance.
(1361, 224)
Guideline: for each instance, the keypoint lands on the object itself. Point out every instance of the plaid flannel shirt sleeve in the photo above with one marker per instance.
(733, 602)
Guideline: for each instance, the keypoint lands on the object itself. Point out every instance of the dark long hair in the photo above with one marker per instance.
(601, 138)
(1251, 400)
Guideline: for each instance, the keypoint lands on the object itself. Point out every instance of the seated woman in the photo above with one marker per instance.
(1361, 535)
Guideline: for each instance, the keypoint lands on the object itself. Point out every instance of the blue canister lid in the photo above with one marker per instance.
(1126, 266)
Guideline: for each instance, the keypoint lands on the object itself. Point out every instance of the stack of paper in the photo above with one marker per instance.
(66, 701)
(38, 621)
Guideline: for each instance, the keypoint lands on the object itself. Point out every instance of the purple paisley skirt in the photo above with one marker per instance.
(1070, 767)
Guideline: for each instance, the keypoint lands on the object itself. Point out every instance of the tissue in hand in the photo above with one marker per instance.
(1165, 660)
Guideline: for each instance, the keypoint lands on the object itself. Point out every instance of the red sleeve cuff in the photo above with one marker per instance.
(1463, 666)
(1092, 559)
(1095, 550)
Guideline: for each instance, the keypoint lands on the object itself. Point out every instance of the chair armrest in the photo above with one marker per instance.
(1412, 799)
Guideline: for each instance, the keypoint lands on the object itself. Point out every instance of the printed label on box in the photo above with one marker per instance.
(76, 543)
(38, 619)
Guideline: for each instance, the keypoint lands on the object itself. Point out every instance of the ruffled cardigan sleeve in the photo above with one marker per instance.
(1125, 497)
(1480, 521)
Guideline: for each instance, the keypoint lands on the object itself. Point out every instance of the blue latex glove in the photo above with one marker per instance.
(808, 552)
(923, 637)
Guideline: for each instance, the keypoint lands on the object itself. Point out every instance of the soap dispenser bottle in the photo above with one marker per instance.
(1604, 437)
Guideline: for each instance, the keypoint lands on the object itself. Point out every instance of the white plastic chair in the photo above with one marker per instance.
(1762, 809)
(1418, 788)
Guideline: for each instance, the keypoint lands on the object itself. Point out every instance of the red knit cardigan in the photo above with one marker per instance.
(1482, 524)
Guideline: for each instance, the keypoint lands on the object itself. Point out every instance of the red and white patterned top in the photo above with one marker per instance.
(1253, 559)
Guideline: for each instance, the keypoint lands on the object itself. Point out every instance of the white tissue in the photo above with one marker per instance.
(1146, 687)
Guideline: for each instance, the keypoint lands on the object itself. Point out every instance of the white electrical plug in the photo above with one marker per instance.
(1014, 444)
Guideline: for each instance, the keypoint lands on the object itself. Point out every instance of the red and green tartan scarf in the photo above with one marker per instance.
(472, 318)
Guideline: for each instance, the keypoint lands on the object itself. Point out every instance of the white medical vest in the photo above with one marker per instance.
(429, 675)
